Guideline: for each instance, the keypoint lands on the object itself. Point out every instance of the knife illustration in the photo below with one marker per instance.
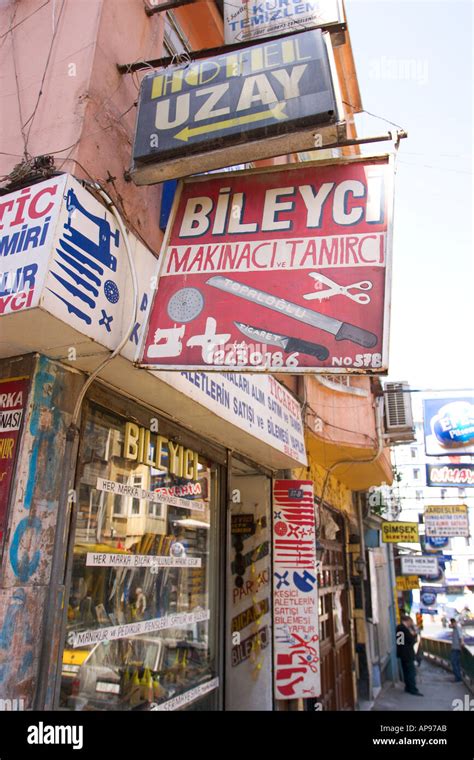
(285, 342)
(341, 330)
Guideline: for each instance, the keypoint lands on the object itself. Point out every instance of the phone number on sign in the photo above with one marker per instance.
(256, 355)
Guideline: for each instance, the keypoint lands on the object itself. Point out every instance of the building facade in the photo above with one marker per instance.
(136, 567)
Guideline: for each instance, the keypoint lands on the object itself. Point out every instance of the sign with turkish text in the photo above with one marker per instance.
(277, 269)
(13, 399)
(449, 426)
(259, 101)
(61, 251)
(446, 520)
(259, 406)
(27, 222)
(295, 591)
(418, 565)
(451, 475)
(400, 532)
(249, 19)
(407, 583)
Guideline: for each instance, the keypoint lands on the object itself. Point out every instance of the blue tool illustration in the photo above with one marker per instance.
(99, 251)
(304, 582)
(82, 264)
(282, 579)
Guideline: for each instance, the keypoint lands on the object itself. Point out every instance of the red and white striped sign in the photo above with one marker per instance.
(295, 592)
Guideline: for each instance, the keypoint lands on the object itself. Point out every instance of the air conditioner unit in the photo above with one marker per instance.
(399, 426)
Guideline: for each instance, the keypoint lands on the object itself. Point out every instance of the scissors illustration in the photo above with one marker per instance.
(333, 289)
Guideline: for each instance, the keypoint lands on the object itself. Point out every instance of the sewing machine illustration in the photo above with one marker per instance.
(79, 275)
(101, 251)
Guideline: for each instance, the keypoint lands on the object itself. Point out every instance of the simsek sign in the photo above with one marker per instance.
(282, 268)
(265, 100)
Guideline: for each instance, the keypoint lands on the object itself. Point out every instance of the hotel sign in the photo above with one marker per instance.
(265, 100)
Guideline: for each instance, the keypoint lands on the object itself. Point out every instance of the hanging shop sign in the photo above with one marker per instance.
(249, 19)
(13, 399)
(407, 583)
(277, 269)
(451, 475)
(265, 100)
(400, 532)
(295, 591)
(418, 565)
(85, 638)
(446, 520)
(449, 426)
(434, 543)
(428, 611)
(61, 251)
(428, 596)
(161, 495)
(185, 699)
(257, 406)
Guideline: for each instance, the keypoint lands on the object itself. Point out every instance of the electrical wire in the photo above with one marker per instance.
(30, 121)
(382, 118)
(15, 26)
(20, 113)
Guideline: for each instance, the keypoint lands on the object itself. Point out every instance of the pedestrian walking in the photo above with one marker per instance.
(456, 646)
(406, 640)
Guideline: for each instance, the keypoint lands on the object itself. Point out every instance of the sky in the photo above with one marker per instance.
(414, 67)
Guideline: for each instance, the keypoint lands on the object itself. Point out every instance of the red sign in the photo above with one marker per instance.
(295, 592)
(13, 397)
(284, 269)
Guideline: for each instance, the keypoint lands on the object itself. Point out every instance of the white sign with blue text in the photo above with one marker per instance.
(250, 19)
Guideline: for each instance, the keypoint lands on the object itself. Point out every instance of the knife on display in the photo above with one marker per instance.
(285, 342)
(341, 330)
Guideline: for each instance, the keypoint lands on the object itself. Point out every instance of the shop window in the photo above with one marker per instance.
(141, 618)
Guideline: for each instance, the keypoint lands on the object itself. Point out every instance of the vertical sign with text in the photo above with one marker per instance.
(295, 592)
(13, 397)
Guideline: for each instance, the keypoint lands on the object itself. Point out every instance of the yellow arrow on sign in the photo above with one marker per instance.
(276, 112)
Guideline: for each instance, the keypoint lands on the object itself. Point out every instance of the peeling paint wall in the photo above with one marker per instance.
(26, 560)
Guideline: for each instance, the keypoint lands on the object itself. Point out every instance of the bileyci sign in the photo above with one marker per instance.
(265, 100)
(282, 269)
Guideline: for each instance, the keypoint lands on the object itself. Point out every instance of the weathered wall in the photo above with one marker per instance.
(26, 560)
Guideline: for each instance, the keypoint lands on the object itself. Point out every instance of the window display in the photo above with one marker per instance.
(141, 612)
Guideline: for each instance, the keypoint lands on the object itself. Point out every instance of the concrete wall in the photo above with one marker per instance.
(26, 560)
(86, 113)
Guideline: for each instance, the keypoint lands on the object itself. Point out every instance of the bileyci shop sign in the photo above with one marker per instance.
(277, 269)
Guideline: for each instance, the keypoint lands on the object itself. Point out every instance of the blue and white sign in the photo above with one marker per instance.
(249, 19)
(428, 596)
(449, 426)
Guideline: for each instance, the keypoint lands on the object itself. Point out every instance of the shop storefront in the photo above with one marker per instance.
(167, 585)
(144, 605)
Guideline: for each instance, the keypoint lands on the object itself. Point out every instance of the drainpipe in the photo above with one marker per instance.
(55, 601)
(392, 613)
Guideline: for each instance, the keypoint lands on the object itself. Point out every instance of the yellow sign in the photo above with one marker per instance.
(446, 509)
(142, 446)
(400, 532)
(407, 582)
